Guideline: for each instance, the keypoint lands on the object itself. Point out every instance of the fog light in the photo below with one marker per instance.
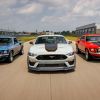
(32, 63)
(99, 50)
(93, 50)
(71, 62)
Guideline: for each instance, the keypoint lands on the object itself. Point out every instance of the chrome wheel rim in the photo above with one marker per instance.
(86, 55)
(11, 57)
(22, 52)
(76, 49)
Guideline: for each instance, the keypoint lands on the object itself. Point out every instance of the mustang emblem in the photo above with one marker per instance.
(51, 56)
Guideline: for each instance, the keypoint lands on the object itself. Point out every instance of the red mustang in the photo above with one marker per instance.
(90, 45)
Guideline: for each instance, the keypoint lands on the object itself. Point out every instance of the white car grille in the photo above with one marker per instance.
(51, 65)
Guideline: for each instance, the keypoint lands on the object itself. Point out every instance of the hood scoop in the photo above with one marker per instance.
(51, 47)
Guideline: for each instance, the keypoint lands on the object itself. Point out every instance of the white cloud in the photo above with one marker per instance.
(57, 6)
(5, 7)
(5, 3)
(56, 12)
(31, 8)
(87, 7)
(54, 2)
(24, 1)
(50, 19)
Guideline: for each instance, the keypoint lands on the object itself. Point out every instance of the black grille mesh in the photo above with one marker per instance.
(51, 57)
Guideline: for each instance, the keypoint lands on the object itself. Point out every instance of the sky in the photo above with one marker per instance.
(52, 15)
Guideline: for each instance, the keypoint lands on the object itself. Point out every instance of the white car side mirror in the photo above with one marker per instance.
(31, 42)
(69, 42)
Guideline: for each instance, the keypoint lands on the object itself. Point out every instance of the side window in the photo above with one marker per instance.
(15, 41)
(82, 38)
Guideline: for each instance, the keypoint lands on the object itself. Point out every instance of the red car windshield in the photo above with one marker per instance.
(93, 38)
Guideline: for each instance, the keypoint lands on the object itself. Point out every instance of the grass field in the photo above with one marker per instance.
(25, 39)
(28, 38)
(72, 38)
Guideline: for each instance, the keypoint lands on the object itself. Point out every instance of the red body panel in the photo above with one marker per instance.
(83, 45)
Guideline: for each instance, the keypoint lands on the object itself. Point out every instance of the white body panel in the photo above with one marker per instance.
(62, 49)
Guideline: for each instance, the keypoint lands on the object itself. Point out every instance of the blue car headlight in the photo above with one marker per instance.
(5, 52)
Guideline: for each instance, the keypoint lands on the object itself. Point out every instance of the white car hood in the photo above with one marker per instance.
(39, 49)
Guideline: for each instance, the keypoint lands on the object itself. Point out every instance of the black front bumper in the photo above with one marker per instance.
(4, 57)
(51, 68)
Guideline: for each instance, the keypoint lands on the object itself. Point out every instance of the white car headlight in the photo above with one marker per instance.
(31, 54)
(70, 54)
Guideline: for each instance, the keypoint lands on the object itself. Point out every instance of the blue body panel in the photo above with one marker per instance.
(8, 47)
(5, 47)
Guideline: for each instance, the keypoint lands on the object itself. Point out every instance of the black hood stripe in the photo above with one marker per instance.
(51, 47)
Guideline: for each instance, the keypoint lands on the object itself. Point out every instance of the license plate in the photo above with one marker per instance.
(0, 55)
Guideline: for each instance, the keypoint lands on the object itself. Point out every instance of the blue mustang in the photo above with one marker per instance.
(9, 47)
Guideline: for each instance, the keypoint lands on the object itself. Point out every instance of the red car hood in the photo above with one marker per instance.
(93, 44)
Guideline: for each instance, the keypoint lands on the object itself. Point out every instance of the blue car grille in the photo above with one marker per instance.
(1, 52)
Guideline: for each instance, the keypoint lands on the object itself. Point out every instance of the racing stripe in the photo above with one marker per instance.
(51, 47)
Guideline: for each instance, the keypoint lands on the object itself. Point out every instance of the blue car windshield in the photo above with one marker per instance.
(50, 40)
(5, 41)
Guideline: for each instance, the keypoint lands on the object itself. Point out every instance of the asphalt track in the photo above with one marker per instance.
(16, 83)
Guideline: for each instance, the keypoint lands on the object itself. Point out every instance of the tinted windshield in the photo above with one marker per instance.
(4, 41)
(50, 40)
(93, 38)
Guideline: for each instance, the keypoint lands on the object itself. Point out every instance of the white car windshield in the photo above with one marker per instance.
(50, 40)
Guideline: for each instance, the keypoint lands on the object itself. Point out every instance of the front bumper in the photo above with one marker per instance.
(95, 55)
(4, 57)
(51, 65)
(51, 68)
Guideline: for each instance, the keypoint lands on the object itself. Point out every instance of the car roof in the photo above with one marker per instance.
(51, 35)
(4, 36)
(91, 35)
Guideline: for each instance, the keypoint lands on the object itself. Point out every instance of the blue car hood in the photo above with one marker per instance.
(4, 47)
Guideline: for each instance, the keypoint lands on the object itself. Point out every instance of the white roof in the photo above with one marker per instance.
(50, 35)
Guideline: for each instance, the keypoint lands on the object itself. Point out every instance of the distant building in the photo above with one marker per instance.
(13, 33)
(90, 28)
(41, 33)
(49, 33)
(6, 32)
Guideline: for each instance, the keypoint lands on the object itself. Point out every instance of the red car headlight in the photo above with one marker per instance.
(93, 50)
(99, 50)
